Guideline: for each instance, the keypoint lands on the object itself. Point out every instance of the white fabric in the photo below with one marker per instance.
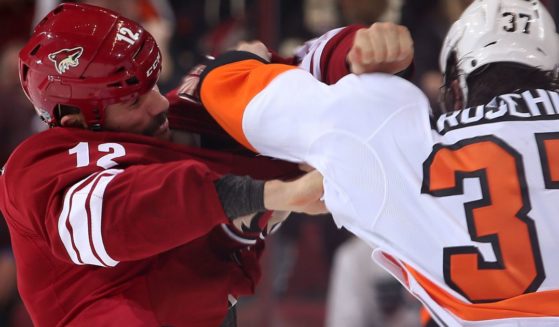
(369, 136)
(81, 217)
(310, 53)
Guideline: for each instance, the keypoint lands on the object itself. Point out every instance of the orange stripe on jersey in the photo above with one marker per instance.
(424, 316)
(539, 304)
(227, 90)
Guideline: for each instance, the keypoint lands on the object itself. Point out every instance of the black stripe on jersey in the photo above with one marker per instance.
(228, 58)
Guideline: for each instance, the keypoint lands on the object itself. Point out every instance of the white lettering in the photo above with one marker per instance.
(466, 119)
(82, 154)
(498, 113)
(154, 65)
(126, 35)
(555, 99)
(529, 105)
(508, 100)
(114, 151)
(449, 118)
(533, 102)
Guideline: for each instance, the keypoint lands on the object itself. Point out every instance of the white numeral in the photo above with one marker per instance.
(126, 35)
(106, 161)
(114, 150)
(82, 154)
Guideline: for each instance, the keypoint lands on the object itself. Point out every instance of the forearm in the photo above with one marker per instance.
(245, 201)
(151, 209)
(242, 195)
(278, 196)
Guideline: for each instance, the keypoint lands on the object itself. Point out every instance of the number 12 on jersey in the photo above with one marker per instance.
(113, 150)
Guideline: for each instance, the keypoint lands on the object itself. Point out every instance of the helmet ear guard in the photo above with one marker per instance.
(493, 31)
(86, 57)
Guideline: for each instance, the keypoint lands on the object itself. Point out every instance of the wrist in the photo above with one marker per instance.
(240, 195)
(277, 196)
(300, 195)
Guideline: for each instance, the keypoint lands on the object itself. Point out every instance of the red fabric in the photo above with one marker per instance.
(175, 273)
(333, 59)
(277, 59)
(162, 224)
(191, 117)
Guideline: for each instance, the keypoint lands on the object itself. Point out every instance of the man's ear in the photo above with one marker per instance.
(73, 120)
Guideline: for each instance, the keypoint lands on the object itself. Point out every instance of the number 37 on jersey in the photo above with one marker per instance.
(500, 218)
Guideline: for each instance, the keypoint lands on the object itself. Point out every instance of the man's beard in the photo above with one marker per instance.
(155, 124)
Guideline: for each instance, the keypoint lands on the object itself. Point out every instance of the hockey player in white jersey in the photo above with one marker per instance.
(462, 202)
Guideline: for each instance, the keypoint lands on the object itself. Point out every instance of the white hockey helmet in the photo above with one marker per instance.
(489, 31)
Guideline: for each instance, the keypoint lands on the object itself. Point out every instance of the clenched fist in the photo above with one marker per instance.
(383, 47)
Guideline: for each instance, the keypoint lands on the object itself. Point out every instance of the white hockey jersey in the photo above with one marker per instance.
(462, 209)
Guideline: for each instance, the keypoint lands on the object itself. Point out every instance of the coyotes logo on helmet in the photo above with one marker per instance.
(66, 58)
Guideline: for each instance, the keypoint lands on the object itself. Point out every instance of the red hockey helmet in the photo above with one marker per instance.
(86, 57)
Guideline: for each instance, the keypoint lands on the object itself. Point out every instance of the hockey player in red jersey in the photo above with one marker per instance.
(460, 202)
(111, 224)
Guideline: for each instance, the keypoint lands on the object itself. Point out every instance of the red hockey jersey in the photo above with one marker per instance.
(112, 229)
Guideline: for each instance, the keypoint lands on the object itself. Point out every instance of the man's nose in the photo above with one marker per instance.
(159, 102)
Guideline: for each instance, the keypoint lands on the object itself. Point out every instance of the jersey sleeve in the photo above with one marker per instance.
(120, 215)
(325, 57)
(230, 83)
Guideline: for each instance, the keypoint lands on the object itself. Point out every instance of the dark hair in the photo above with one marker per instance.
(446, 103)
(506, 77)
(492, 80)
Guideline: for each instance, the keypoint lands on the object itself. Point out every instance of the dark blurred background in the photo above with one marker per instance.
(314, 274)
